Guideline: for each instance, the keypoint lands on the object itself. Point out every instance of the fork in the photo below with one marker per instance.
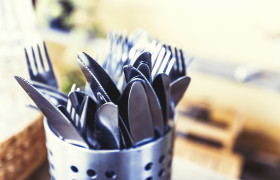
(78, 114)
(160, 59)
(75, 117)
(179, 68)
(168, 60)
(42, 73)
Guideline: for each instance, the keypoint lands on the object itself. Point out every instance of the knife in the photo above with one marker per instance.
(178, 88)
(56, 118)
(94, 84)
(145, 70)
(145, 57)
(139, 115)
(104, 79)
(123, 115)
(154, 104)
(161, 85)
(106, 126)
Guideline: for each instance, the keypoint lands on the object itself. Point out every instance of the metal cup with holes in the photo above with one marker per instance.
(146, 162)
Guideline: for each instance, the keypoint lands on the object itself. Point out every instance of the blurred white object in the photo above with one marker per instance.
(17, 29)
(17, 21)
(246, 72)
(243, 73)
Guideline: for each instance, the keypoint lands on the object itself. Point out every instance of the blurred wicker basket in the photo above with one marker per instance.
(23, 152)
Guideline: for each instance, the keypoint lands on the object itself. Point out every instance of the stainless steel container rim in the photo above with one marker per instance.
(139, 148)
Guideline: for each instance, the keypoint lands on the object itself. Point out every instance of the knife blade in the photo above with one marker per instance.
(154, 104)
(145, 57)
(55, 117)
(106, 126)
(145, 70)
(94, 84)
(104, 79)
(139, 115)
(178, 88)
(161, 85)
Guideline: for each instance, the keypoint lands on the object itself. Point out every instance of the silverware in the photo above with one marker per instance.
(139, 115)
(77, 98)
(100, 94)
(144, 65)
(161, 85)
(87, 119)
(74, 110)
(54, 95)
(123, 50)
(146, 71)
(179, 80)
(105, 81)
(106, 126)
(145, 57)
(154, 104)
(178, 69)
(165, 61)
(83, 117)
(178, 88)
(42, 73)
(156, 51)
(126, 139)
(94, 84)
(123, 112)
(100, 115)
(48, 88)
(56, 118)
(72, 106)
(86, 125)
(158, 59)
(42, 76)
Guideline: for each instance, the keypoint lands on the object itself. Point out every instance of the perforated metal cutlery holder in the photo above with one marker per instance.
(147, 162)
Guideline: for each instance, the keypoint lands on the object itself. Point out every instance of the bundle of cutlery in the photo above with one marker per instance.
(127, 101)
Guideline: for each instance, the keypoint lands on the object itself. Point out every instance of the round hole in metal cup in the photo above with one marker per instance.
(161, 173)
(161, 159)
(168, 176)
(170, 150)
(91, 173)
(110, 174)
(169, 164)
(150, 178)
(149, 166)
(74, 169)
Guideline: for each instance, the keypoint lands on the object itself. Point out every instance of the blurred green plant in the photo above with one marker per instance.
(72, 76)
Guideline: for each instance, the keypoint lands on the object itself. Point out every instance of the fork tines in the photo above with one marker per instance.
(40, 68)
(71, 109)
(179, 68)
